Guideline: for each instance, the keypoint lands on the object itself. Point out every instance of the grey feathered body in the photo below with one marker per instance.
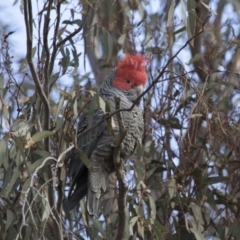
(98, 146)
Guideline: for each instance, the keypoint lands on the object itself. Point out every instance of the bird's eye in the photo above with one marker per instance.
(128, 81)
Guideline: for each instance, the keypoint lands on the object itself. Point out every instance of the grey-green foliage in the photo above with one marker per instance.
(183, 183)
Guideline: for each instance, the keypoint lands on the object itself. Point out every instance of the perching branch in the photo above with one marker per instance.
(118, 165)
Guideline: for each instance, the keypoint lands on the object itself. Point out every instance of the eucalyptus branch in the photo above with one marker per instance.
(46, 73)
(46, 47)
(27, 7)
(118, 165)
(55, 216)
(44, 96)
(54, 52)
(75, 32)
(196, 47)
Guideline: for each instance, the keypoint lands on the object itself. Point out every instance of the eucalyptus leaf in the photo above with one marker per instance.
(9, 219)
(172, 188)
(3, 151)
(170, 13)
(15, 176)
(38, 137)
(132, 223)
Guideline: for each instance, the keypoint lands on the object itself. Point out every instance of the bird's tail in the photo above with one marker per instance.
(96, 186)
(79, 183)
(93, 203)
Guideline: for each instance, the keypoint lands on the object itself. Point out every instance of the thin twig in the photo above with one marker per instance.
(60, 43)
(75, 32)
(46, 47)
(167, 64)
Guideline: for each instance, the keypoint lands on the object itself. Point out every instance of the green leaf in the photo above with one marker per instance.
(132, 223)
(213, 180)
(195, 58)
(197, 212)
(237, 5)
(150, 172)
(107, 44)
(191, 5)
(7, 176)
(161, 227)
(74, 100)
(140, 186)
(34, 51)
(76, 60)
(140, 229)
(26, 232)
(84, 158)
(59, 107)
(6, 114)
(156, 50)
(102, 104)
(21, 132)
(170, 13)
(157, 232)
(208, 8)
(97, 225)
(11, 233)
(41, 153)
(195, 115)
(65, 94)
(66, 60)
(14, 178)
(3, 151)
(180, 30)
(9, 219)
(32, 167)
(172, 187)
(54, 78)
(121, 39)
(95, 30)
(26, 185)
(46, 208)
(172, 122)
(77, 21)
(23, 64)
(152, 206)
(38, 137)
(196, 229)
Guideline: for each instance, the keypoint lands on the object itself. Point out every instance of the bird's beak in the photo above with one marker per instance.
(139, 89)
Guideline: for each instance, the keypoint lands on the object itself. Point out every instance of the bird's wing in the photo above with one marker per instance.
(77, 170)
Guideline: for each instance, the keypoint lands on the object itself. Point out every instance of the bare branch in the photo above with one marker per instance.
(46, 47)
(28, 22)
